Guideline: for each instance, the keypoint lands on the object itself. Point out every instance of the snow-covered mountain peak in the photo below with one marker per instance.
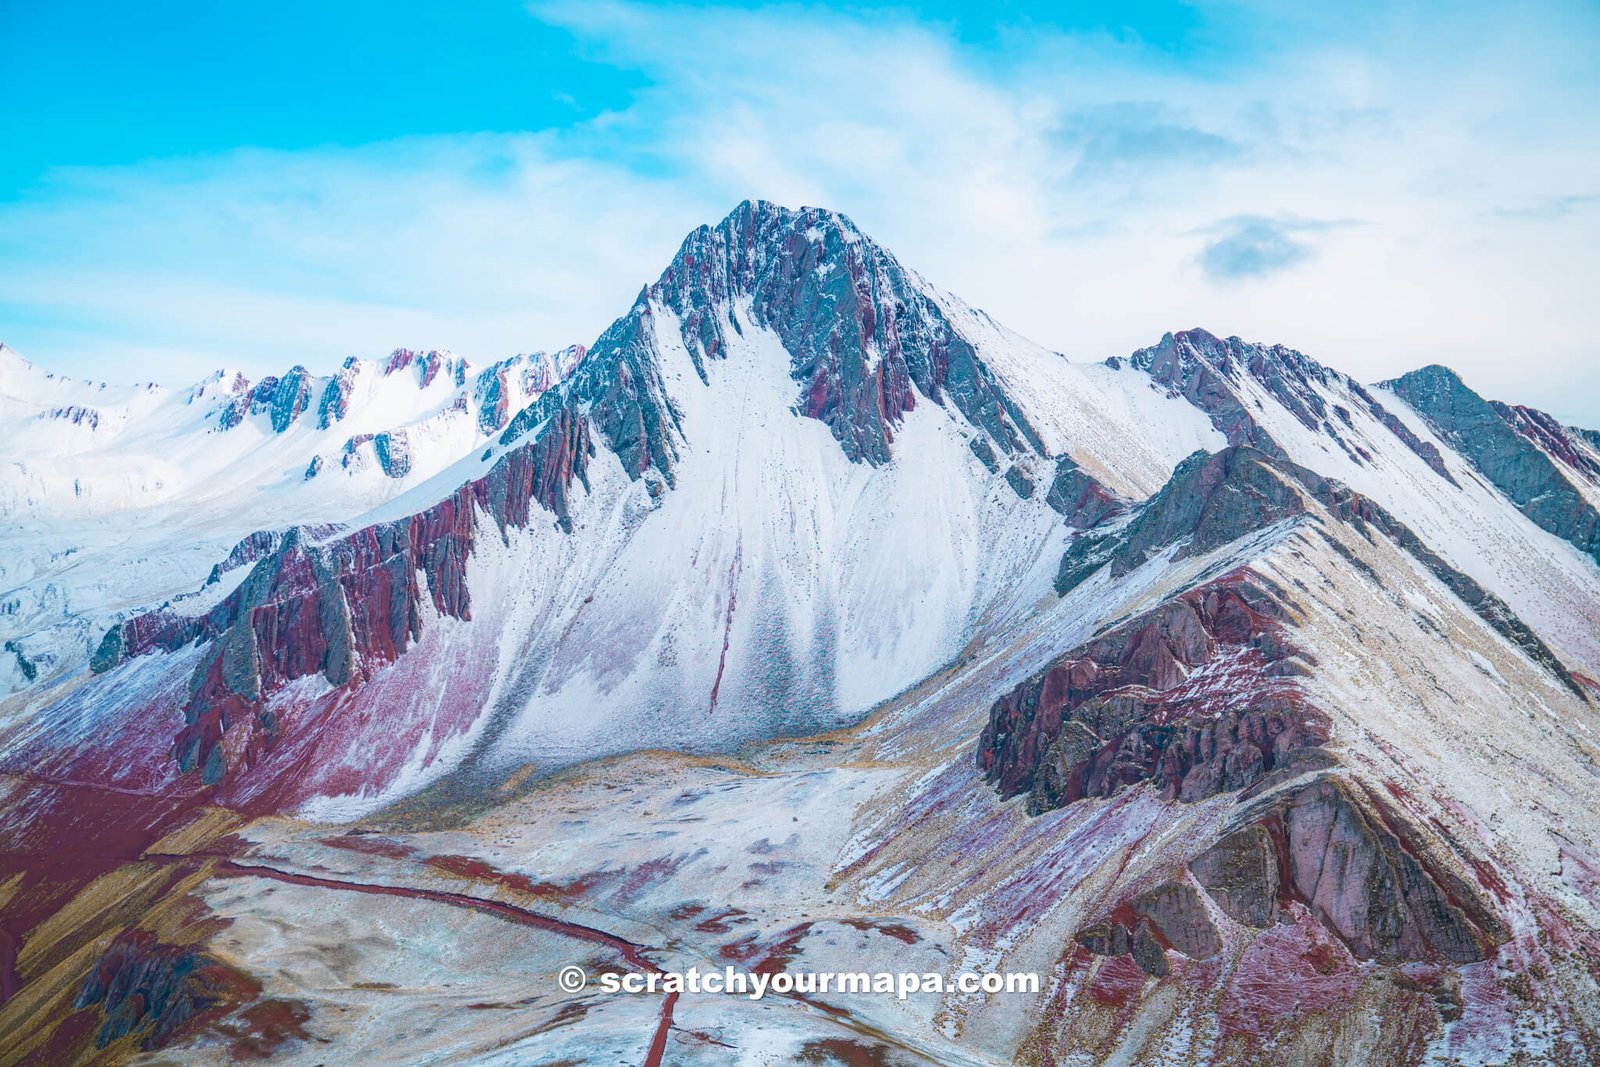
(219, 384)
(12, 364)
(865, 338)
(427, 365)
(24, 383)
(1274, 398)
(1549, 471)
(1286, 373)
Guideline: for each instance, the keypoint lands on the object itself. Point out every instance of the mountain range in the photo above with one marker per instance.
(807, 618)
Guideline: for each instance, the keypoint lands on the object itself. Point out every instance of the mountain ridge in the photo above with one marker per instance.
(814, 617)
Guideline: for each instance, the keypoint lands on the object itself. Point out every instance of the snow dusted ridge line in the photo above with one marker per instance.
(1213, 500)
(1549, 472)
(1215, 376)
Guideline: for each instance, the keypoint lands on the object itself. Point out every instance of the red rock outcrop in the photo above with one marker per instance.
(1197, 696)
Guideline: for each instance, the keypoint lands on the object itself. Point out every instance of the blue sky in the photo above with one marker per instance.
(187, 186)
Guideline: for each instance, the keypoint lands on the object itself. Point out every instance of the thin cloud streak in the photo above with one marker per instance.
(1252, 246)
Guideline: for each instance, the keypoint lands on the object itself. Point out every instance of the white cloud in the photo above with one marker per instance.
(1068, 184)
(488, 245)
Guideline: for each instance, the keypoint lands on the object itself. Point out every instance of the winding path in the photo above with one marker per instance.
(632, 953)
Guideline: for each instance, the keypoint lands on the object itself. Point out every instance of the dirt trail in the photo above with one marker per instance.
(632, 953)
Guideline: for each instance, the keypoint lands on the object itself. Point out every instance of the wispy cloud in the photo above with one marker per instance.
(1252, 246)
(1129, 140)
(1550, 208)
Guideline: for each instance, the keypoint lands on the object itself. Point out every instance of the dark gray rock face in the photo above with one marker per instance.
(29, 669)
(282, 399)
(620, 385)
(1389, 890)
(260, 545)
(1144, 945)
(1201, 368)
(75, 414)
(1175, 911)
(494, 397)
(981, 448)
(110, 652)
(290, 398)
(1019, 481)
(1240, 872)
(394, 453)
(335, 402)
(1168, 917)
(391, 447)
(1105, 939)
(1524, 453)
(157, 993)
(426, 366)
(147, 989)
(1211, 500)
(1561, 443)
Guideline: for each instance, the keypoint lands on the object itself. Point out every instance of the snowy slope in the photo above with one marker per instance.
(1090, 410)
(755, 578)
